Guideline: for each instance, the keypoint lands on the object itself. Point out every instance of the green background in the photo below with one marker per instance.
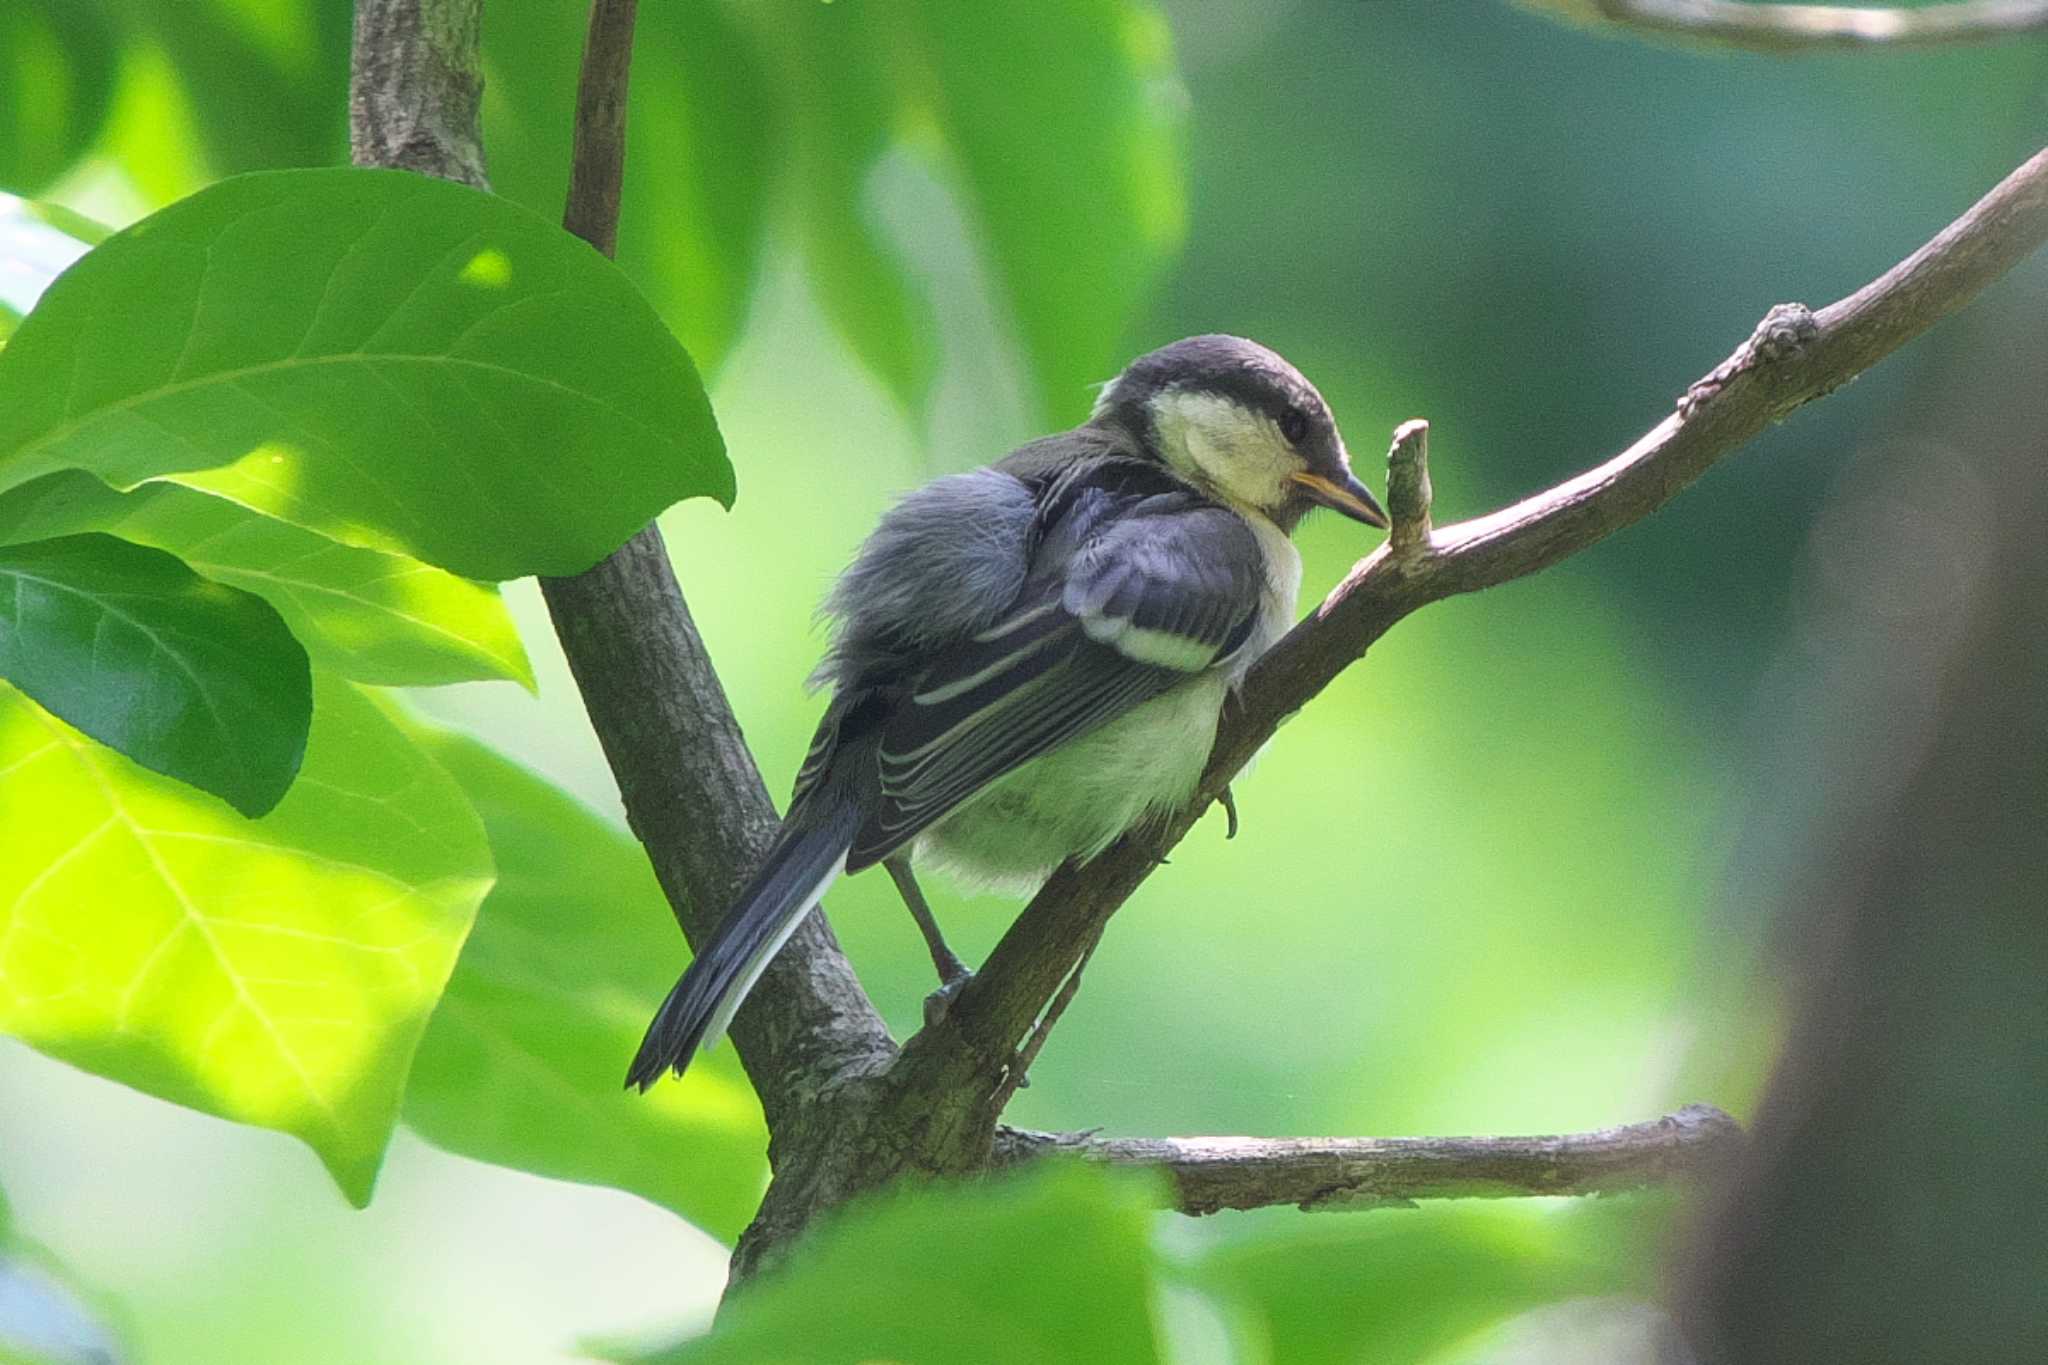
(1516, 872)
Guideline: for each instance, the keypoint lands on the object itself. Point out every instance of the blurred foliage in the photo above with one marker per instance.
(1480, 882)
(523, 1060)
(748, 117)
(1054, 1265)
(43, 1320)
(57, 69)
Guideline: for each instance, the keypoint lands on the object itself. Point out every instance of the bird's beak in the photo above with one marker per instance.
(1348, 496)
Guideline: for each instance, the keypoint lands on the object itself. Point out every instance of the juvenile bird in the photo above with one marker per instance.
(1030, 658)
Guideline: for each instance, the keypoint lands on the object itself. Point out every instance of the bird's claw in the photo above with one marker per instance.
(1229, 804)
(939, 1001)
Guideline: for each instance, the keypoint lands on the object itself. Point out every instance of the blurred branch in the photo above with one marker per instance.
(1813, 28)
(1795, 356)
(416, 87)
(1213, 1173)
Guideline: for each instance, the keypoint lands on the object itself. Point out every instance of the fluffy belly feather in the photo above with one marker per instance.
(1077, 799)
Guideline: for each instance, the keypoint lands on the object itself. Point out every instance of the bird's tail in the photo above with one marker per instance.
(806, 858)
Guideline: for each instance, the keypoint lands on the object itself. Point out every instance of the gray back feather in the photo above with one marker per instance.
(944, 563)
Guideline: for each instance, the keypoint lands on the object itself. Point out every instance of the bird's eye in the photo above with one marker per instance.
(1294, 424)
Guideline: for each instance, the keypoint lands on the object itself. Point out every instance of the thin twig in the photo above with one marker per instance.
(1787, 29)
(1209, 1174)
(1020, 1070)
(597, 164)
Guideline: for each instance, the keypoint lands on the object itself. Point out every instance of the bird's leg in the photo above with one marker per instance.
(952, 971)
(1229, 804)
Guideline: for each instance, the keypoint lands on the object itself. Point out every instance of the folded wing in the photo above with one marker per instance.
(1129, 591)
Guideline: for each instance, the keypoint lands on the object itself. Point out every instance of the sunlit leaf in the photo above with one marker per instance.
(1052, 1265)
(57, 62)
(277, 971)
(371, 616)
(187, 677)
(572, 950)
(386, 359)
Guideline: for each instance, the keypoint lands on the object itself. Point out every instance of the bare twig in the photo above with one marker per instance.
(1790, 29)
(597, 165)
(1408, 492)
(1213, 1173)
(1795, 356)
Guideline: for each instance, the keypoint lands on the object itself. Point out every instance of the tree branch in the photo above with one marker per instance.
(1794, 356)
(1208, 1174)
(692, 792)
(1787, 29)
(416, 88)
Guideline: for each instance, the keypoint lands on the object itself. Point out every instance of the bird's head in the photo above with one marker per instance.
(1243, 425)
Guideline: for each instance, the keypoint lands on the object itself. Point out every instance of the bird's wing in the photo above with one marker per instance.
(1127, 595)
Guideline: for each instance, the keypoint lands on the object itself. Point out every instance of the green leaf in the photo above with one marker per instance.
(391, 361)
(187, 677)
(1051, 1265)
(277, 971)
(572, 951)
(1390, 1289)
(57, 65)
(370, 616)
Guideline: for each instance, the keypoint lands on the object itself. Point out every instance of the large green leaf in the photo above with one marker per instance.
(1051, 1265)
(276, 971)
(370, 616)
(572, 951)
(389, 360)
(57, 61)
(185, 676)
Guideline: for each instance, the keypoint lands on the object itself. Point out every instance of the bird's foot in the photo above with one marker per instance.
(1229, 804)
(939, 1001)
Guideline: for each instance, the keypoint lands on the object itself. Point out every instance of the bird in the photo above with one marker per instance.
(1029, 659)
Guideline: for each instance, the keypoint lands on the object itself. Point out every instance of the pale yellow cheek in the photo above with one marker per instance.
(1240, 454)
